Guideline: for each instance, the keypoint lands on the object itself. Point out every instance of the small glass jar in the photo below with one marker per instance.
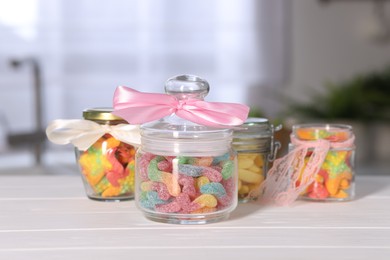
(108, 166)
(256, 147)
(335, 179)
(186, 173)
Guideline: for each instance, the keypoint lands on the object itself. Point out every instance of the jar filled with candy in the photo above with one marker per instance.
(186, 170)
(108, 164)
(334, 177)
(256, 147)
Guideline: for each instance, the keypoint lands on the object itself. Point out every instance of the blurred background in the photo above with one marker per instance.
(290, 61)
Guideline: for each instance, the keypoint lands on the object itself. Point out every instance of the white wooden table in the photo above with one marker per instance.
(47, 216)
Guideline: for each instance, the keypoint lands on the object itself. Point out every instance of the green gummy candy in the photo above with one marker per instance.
(153, 172)
(227, 169)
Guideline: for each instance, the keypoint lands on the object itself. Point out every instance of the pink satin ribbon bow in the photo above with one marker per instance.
(137, 108)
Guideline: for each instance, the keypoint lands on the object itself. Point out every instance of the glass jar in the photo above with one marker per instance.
(108, 166)
(334, 180)
(186, 173)
(255, 147)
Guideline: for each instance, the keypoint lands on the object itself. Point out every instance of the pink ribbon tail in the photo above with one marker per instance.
(137, 108)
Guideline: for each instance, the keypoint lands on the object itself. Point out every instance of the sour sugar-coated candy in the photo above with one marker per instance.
(227, 169)
(150, 199)
(161, 189)
(108, 168)
(202, 180)
(213, 174)
(165, 166)
(214, 188)
(190, 170)
(186, 185)
(206, 200)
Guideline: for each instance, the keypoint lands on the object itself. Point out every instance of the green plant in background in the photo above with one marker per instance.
(255, 112)
(364, 97)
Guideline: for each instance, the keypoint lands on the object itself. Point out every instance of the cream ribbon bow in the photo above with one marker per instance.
(84, 133)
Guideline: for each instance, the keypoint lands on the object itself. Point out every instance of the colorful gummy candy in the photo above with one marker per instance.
(330, 134)
(334, 180)
(250, 174)
(108, 168)
(186, 185)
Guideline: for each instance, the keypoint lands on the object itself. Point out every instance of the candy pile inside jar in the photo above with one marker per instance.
(335, 178)
(251, 173)
(108, 167)
(186, 185)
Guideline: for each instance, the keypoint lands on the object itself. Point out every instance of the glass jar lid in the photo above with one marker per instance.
(184, 87)
(175, 134)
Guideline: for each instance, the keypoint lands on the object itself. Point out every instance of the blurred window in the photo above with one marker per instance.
(88, 47)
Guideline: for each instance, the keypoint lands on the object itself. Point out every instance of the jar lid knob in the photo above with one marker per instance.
(187, 87)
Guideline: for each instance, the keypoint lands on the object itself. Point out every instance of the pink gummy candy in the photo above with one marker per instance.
(169, 208)
(217, 167)
(117, 170)
(162, 190)
(143, 165)
(169, 158)
(212, 174)
(165, 166)
(229, 186)
(225, 200)
(188, 185)
(185, 202)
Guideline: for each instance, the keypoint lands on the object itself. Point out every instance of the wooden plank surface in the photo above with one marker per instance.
(49, 217)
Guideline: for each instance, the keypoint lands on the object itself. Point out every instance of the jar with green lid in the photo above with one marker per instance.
(256, 148)
(186, 173)
(107, 166)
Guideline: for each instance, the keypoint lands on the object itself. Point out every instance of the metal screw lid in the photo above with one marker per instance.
(100, 114)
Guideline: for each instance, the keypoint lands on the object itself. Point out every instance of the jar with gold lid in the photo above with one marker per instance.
(107, 166)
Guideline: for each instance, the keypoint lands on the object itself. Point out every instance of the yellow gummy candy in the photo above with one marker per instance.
(259, 161)
(336, 158)
(244, 189)
(256, 169)
(202, 180)
(206, 200)
(203, 210)
(111, 192)
(250, 177)
(340, 195)
(172, 183)
(344, 184)
(146, 185)
(245, 163)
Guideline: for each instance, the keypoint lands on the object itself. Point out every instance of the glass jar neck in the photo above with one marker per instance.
(330, 132)
(186, 147)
